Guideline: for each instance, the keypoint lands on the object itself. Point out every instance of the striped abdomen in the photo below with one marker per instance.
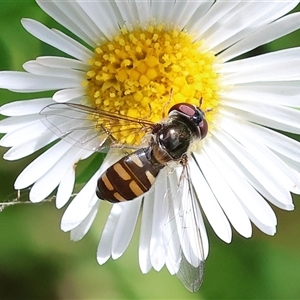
(130, 177)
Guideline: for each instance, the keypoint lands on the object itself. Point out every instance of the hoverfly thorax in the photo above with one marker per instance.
(172, 141)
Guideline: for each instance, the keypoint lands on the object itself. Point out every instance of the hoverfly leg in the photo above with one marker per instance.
(150, 112)
(200, 101)
(200, 104)
(164, 112)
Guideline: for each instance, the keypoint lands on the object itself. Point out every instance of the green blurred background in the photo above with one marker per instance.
(38, 261)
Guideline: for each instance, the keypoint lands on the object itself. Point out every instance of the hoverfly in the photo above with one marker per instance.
(135, 173)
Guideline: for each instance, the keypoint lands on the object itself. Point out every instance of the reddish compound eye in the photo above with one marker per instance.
(203, 126)
(193, 113)
(184, 108)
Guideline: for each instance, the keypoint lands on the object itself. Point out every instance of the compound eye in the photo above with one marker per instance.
(184, 108)
(203, 126)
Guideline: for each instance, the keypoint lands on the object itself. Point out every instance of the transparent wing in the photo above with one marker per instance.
(90, 128)
(184, 232)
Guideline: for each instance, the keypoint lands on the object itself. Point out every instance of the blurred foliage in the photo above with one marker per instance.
(38, 261)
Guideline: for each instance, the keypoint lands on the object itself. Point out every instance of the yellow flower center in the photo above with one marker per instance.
(142, 73)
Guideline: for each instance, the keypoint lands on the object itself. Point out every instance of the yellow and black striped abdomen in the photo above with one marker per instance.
(130, 177)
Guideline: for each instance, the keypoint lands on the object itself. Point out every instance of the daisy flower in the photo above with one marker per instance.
(136, 60)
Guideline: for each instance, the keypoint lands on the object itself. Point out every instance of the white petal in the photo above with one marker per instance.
(193, 226)
(41, 165)
(57, 40)
(286, 93)
(105, 244)
(24, 134)
(294, 165)
(81, 230)
(71, 16)
(252, 141)
(226, 198)
(126, 13)
(217, 11)
(171, 228)
(252, 63)
(262, 36)
(26, 82)
(65, 188)
(280, 143)
(125, 228)
(145, 233)
(269, 13)
(230, 23)
(29, 146)
(81, 205)
(102, 16)
(173, 247)
(45, 185)
(275, 116)
(34, 67)
(157, 246)
(256, 207)
(263, 181)
(161, 10)
(203, 236)
(24, 107)
(143, 12)
(182, 12)
(15, 123)
(62, 62)
(68, 94)
(210, 205)
(289, 70)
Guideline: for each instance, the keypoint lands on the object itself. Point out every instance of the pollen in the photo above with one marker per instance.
(142, 73)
